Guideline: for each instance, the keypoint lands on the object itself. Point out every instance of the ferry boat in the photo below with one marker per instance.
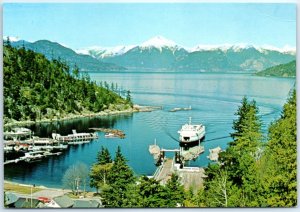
(75, 138)
(190, 133)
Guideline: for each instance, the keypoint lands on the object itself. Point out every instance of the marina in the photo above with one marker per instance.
(31, 149)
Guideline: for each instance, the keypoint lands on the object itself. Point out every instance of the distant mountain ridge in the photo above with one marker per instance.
(282, 70)
(53, 50)
(161, 53)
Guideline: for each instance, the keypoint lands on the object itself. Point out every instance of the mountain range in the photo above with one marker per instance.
(160, 53)
(53, 50)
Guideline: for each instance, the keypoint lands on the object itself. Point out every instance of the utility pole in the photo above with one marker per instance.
(31, 194)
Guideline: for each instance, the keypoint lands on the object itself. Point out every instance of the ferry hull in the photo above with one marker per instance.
(191, 143)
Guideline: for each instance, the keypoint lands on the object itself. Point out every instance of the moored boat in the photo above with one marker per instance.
(110, 135)
(32, 156)
(190, 133)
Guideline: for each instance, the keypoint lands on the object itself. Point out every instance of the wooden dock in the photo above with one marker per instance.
(164, 172)
(189, 176)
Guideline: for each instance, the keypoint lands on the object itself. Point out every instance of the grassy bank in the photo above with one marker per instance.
(20, 188)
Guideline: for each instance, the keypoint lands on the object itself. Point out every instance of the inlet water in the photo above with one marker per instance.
(214, 99)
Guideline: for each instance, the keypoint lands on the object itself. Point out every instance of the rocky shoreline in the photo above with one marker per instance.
(134, 109)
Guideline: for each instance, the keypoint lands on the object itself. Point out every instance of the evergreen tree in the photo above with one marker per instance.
(280, 176)
(240, 156)
(100, 170)
(103, 156)
(120, 180)
(36, 88)
(175, 192)
(152, 193)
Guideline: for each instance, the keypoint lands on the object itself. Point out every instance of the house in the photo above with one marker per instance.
(13, 200)
(61, 202)
(87, 204)
(26, 203)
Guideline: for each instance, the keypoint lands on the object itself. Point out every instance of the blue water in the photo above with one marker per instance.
(214, 99)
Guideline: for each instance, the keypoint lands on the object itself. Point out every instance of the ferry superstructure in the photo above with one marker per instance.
(190, 133)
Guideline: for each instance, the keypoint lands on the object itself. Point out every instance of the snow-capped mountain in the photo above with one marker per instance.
(159, 42)
(161, 53)
(102, 52)
(242, 46)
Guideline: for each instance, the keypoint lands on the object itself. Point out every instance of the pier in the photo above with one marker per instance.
(189, 176)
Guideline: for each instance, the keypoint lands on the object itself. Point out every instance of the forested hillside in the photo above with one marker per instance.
(253, 172)
(282, 70)
(36, 88)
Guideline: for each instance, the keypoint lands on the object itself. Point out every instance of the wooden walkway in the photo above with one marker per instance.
(164, 172)
(189, 176)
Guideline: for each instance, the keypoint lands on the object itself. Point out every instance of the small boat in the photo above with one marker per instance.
(8, 148)
(110, 135)
(17, 132)
(59, 146)
(190, 133)
(180, 108)
(32, 156)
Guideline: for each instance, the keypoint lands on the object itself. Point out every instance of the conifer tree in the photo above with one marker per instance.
(175, 192)
(100, 170)
(280, 178)
(103, 156)
(120, 180)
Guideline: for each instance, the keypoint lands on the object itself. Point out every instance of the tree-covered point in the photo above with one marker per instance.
(282, 70)
(36, 88)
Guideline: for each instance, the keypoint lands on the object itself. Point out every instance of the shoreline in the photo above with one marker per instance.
(134, 109)
(37, 187)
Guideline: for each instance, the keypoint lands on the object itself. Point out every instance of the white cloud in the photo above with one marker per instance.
(11, 38)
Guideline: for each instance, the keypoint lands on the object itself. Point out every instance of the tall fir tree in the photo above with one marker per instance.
(279, 170)
(120, 179)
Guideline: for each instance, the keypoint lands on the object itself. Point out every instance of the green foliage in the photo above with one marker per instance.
(280, 178)
(100, 170)
(242, 153)
(152, 193)
(36, 88)
(120, 179)
(282, 70)
(103, 156)
(175, 192)
(53, 50)
(251, 174)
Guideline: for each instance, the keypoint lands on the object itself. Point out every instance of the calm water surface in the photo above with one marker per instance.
(214, 98)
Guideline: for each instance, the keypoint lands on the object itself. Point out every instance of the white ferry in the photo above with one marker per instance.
(190, 133)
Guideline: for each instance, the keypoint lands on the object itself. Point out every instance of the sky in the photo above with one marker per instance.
(80, 25)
